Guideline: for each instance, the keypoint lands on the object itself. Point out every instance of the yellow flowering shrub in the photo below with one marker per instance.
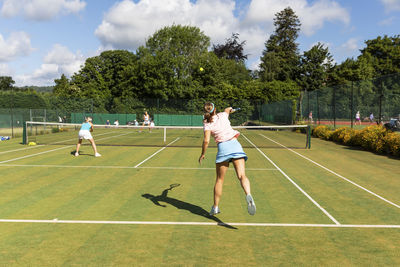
(373, 138)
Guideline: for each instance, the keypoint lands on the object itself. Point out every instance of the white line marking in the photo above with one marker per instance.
(52, 150)
(19, 149)
(157, 152)
(204, 223)
(121, 167)
(32, 155)
(338, 175)
(298, 187)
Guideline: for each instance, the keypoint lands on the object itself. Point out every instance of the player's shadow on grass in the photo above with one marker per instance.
(81, 153)
(179, 204)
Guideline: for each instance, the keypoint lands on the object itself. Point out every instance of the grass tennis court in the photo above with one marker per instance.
(328, 205)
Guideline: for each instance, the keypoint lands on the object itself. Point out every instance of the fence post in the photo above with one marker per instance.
(24, 133)
(334, 107)
(380, 103)
(351, 104)
(318, 115)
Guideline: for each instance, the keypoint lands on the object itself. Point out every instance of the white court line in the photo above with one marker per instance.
(52, 150)
(338, 175)
(297, 186)
(25, 148)
(204, 223)
(121, 167)
(156, 152)
(32, 155)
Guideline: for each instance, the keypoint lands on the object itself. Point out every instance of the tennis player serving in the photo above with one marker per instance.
(229, 150)
(84, 133)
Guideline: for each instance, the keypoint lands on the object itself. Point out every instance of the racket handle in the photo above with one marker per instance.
(235, 109)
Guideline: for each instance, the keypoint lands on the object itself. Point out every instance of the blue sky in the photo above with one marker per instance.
(41, 39)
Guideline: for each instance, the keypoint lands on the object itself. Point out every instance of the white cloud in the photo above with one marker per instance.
(18, 44)
(5, 70)
(387, 22)
(351, 45)
(129, 23)
(40, 10)
(119, 30)
(59, 60)
(391, 5)
(312, 16)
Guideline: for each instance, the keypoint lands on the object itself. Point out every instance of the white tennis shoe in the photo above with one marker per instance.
(76, 154)
(251, 206)
(214, 211)
(97, 155)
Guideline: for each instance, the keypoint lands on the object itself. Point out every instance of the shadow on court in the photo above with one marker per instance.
(179, 204)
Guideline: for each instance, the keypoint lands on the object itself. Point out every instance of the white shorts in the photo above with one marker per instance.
(146, 122)
(85, 134)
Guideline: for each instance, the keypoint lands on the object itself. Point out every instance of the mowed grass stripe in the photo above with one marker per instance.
(297, 186)
(267, 187)
(346, 202)
(90, 193)
(112, 195)
(42, 186)
(375, 172)
(341, 176)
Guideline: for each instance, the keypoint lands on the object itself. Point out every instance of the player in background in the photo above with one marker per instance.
(229, 150)
(146, 120)
(85, 133)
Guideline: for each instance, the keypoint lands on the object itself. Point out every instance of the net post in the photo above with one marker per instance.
(308, 143)
(165, 134)
(24, 133)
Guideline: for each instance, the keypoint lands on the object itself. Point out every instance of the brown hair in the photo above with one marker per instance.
(209, 111)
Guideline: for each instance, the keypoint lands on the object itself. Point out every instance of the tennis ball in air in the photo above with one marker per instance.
(201, 69)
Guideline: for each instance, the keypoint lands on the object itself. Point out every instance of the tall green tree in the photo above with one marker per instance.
(62, 87)
(6, 83)
(280, 58)
(231, 49)
(167, 65)
(101, 77)
(315, 65)
(383, 53)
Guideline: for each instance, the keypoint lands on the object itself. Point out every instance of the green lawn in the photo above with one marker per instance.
(68, 210)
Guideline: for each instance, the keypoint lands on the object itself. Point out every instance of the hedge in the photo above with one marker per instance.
(375, 138)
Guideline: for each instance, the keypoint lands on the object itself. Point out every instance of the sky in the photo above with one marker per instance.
(42, 39)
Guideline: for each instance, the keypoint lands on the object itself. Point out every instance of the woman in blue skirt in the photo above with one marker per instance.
(229, 150)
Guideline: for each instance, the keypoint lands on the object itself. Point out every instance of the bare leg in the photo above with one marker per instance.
(93, 145)
(239, 165)
(221, 169)
(78, 145)
(240, 172)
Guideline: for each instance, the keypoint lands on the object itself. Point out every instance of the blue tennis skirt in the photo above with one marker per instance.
(230, 150)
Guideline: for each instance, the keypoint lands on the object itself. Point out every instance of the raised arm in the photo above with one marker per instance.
(229, 110)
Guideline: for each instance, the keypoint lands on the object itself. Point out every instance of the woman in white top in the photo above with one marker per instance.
(229, 150)
(85, 133)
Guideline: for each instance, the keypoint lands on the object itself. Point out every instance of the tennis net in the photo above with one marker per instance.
(46, 133)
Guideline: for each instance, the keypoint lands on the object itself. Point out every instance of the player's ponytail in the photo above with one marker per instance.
(209, 111)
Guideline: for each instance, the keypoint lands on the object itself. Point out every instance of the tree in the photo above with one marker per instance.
(232, 49)
(383, 53)
(167, 65)
(280, 58)
(101, 77)
(315, 65)
(6, 83)
(62, 87)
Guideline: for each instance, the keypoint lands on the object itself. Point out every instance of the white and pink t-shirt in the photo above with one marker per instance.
(221, 128)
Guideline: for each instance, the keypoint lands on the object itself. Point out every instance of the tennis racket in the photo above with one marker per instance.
(173, 185)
